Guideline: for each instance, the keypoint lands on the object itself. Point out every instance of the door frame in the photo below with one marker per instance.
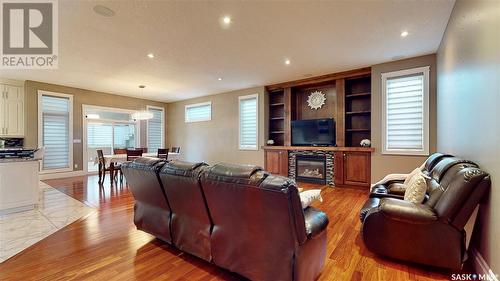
(85, 108)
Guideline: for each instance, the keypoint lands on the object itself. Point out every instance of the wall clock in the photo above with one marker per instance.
(316, 100)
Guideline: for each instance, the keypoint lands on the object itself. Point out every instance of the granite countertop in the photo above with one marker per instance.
(12, 160)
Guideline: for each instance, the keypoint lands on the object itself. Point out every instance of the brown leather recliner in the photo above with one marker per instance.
(260, 230)
(151, 209)
(190, 223)
(433, 232)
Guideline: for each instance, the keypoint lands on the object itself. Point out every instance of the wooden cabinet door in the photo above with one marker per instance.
(14, 111)
(338, 168)
(356, 168)
(276, 162)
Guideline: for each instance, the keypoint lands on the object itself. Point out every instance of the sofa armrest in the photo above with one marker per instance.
(316, 221)
(406, 211)
(392, 178)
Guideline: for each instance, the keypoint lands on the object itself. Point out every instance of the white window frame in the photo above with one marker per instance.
(196, 105)
(162, 127)
(385, 76)
(240, 98)
(42, 93)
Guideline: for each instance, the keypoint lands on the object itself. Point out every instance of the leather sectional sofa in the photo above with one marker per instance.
(433, 232)
(238, 217)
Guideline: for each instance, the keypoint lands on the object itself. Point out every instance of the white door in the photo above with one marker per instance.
(14, 111)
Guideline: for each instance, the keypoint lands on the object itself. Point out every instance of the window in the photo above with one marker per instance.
(55, 127)
(198, 112)
(249, 118)
(155, 129)
(405, 114)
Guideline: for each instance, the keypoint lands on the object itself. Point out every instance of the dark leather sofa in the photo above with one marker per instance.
(430, 233)
(238, 217)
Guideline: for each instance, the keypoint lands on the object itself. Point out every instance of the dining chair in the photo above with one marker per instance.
(162, 153)
(113, 169)
(120, 151)
(176, 149)
(143, 149)
(133, 154)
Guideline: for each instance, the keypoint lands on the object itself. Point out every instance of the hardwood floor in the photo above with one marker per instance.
(107, 246)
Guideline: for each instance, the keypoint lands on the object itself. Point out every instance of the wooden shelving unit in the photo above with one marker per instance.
(357, 110)
(277, 117)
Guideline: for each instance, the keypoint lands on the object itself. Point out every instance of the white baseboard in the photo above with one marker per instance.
(62, 175)
(481, 266)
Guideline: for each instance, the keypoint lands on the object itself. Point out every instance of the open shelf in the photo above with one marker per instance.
(277, 118)
(363, 112)
(277, 132)
(360, 95)
(357, 110)
(277, 104)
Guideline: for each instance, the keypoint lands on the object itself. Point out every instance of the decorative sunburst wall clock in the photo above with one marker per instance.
(316, 100)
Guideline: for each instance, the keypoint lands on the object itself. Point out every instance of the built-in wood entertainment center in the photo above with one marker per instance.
(348, 101)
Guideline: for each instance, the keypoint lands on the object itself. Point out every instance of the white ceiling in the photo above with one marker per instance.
(192, 49)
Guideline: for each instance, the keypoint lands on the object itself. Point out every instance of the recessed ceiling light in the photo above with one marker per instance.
(151, 55)
(103, 11)
(226, 19)
(404, 33)
(220, 78)
(287, 62)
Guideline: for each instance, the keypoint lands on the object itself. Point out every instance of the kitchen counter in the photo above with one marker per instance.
(10, 160)
(18, 184)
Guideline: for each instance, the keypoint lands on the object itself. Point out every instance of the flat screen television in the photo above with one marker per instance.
(315, 132)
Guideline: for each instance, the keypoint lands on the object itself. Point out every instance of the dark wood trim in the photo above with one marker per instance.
(321, 79)
(288, 116)
(323, 148)
(340, 119)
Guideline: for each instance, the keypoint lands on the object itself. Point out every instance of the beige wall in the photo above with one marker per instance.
(216, 140)
(385, 164)
(469, 102)
(80, 97)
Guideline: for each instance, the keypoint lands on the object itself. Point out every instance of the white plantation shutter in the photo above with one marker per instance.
(248, 122)
(406, 111)
(198, 112)
(155, 129)
(56, 128)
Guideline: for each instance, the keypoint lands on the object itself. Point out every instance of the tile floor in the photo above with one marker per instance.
(18, 231)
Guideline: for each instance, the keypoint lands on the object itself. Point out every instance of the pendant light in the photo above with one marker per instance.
(142, 114)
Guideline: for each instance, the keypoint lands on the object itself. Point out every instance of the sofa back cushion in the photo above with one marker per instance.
(151, 209)
(254, 228)
(190, 224)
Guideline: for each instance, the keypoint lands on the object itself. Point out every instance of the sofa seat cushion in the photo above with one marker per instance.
(369, 204)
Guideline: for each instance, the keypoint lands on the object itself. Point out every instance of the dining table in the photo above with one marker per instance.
(112, 159)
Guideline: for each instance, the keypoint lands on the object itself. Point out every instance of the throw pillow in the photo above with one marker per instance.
(416, 189)
(309, 196)
(411, 175)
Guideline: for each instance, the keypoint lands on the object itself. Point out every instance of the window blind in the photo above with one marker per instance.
(248, 123)
(155, 130)
(99, 135)
(198, 112)
(405, 112)
(55, 129)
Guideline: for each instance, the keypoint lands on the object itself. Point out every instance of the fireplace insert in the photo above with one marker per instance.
(311, 168)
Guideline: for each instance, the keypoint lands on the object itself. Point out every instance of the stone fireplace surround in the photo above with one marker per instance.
(292, 156)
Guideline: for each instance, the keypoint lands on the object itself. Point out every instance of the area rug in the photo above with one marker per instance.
(55, 210)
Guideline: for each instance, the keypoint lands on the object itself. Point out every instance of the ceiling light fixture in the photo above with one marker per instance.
(220, 78)
(103, 11)
(226, 19)
(151, 55)
(142, 114)
(287, 62)
(404, 33)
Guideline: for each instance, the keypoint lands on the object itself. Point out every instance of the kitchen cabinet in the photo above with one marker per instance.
(276, 162)
(11, 111)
